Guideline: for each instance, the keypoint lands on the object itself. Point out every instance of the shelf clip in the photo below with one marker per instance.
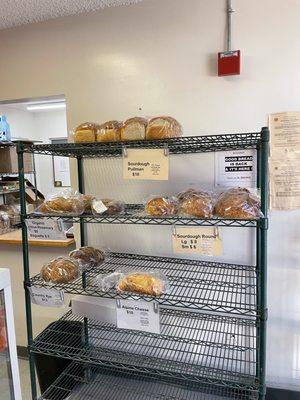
(174, 230)
(217, 233)
(124, 151)
(166, 150)
(264, 315)
(26, 284)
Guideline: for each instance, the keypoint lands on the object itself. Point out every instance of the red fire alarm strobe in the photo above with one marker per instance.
(229, 63)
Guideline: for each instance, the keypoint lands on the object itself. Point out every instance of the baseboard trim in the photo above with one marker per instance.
(282, 394)
(22, 351)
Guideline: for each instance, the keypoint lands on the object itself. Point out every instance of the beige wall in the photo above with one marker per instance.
(11, 256)
(159, 56)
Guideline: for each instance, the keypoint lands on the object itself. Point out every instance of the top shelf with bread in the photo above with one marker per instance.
(175, 145)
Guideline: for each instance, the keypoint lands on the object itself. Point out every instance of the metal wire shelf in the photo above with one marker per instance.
(195, 347)
(134, 214)
(107, 383)
(4, 192)
(6, 144)
(194, 285)
(180, 145)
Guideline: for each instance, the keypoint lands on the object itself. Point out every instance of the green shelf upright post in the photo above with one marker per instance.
(20, 152)
(80, 176)
(81, 190)
(261, 256)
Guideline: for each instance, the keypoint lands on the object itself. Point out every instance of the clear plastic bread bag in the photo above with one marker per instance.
(84, 133)
(12, 211)
(161, 206)
(4, 221)
(134, 129)
(238, 203)
(68, 201)
(110, 131)
(107, 207)
(88, 202)
(88, 257)
(61, 270)
(196, 203)
(163, 128)
(150, 283)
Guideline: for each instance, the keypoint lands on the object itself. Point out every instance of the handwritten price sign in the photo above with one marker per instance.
(147, 164)
(45, 229)
(201, 241)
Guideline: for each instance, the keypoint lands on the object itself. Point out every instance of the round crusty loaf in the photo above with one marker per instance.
(162, 128)
(141, 283)
(134, 129)
(60, 270)
(88, 256)
(237, 203)
(186, 193)
(196, 203)
(63, 205)
(87, 201)
(113, 207)
(161, 206)
(85, 132)
(110, 131)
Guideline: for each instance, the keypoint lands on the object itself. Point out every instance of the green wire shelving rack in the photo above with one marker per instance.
(213, 322)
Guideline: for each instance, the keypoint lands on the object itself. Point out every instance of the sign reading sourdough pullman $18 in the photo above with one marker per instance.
(148, 164)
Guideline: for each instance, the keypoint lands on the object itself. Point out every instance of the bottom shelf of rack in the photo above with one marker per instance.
(197, 347)
(80, 382)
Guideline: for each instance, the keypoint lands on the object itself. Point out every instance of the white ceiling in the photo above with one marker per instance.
(20, 12)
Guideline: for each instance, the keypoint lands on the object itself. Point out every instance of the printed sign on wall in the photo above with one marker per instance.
(235, 168)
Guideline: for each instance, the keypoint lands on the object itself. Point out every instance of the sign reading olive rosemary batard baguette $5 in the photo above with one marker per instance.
(45, 229)
(201, 241)
(147, 164)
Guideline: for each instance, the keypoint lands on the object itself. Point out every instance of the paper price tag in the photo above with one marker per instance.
(45, 229)
(47, 297)
(148, 164)
(138, 315)
(99, 207)
(201, 241)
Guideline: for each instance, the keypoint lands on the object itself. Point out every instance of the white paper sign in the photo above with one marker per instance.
(285, 134)
(45, 229)
(235, 168)
(99, 207)
(138, 315)
(149, 164)
(285, 184)
(47, 297)
(61, 171)
(198, 241)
